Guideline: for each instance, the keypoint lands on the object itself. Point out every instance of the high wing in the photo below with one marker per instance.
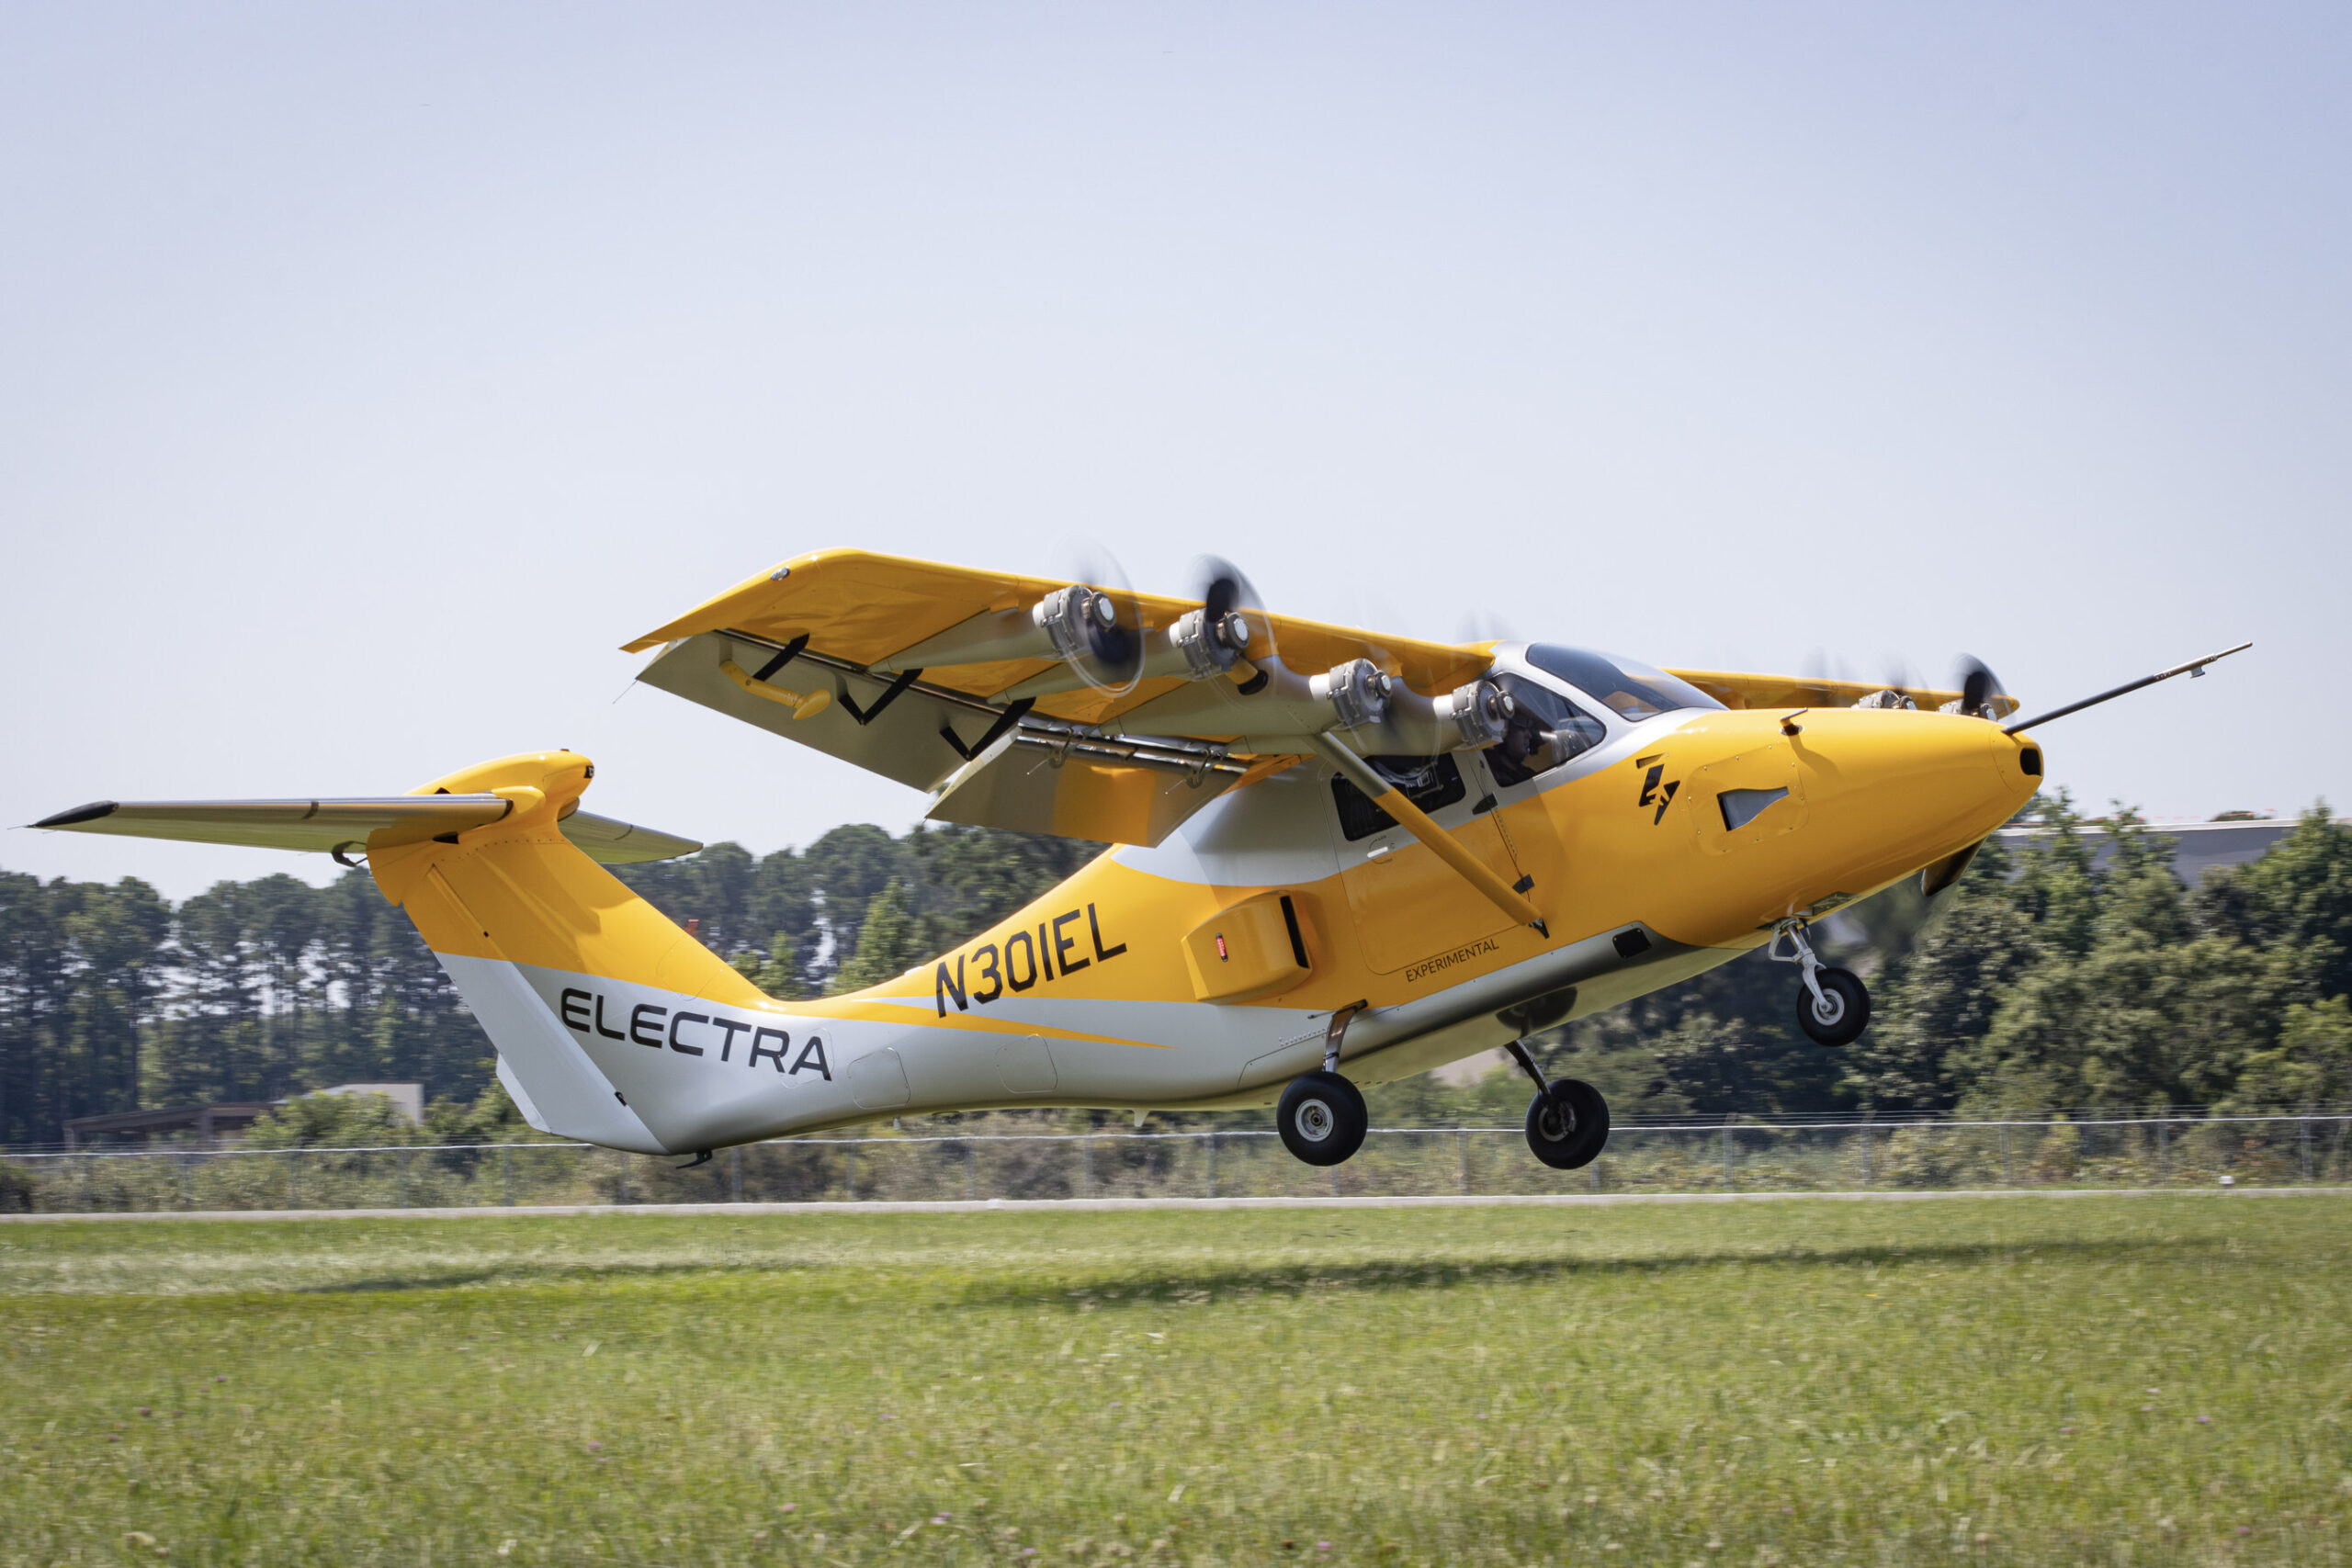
(951, 681)
(977, 687)
(1737, 690)
(335, 826)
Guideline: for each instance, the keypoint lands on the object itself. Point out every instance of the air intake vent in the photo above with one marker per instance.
(1741, 807)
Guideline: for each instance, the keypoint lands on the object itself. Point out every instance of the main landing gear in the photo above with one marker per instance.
(1322, 1118)
(1567, 1122)
(1834, 1007)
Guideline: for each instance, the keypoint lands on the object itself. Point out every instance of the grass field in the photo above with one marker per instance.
(2097, 1380)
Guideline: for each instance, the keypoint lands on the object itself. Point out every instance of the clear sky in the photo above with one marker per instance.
(368, 374)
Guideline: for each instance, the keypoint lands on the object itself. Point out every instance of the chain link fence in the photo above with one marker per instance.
(2306, 1148)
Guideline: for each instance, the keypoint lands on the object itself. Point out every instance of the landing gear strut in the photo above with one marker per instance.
(1567, 1123)
(1322, 1118)
(1834, 1006)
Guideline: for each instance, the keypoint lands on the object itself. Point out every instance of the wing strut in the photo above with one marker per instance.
(1416, 821)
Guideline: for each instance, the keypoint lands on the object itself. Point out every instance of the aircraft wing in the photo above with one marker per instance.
(332, 826)
(1737, 690)
(950, 679)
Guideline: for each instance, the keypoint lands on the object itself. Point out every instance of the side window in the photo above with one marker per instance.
(1430, 783)
(1546, 730)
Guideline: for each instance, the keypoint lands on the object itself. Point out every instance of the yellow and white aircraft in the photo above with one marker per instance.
(1338, 857)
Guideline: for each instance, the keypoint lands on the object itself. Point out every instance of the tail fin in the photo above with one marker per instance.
(496, 865)
(526, 926)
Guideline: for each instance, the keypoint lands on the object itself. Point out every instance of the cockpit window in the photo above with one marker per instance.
(1430, 782)
(1544, 731)
(1626, 687)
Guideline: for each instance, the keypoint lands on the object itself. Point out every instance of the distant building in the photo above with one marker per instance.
(2196, 847)
(408, 1099)
(210, 1123)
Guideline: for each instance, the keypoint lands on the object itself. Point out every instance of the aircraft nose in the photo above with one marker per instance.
(1896, 789)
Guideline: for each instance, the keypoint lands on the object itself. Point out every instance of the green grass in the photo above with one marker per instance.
(2013, 1381)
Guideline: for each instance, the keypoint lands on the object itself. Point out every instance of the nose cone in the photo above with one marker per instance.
(1891, 790)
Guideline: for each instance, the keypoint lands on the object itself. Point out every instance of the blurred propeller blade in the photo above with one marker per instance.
(1113, 660)
(1978, 686)
(1225, 590)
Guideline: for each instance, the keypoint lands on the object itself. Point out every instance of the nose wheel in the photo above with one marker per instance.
(1834, 1008)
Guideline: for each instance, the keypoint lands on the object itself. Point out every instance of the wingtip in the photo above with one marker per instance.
(79, 814)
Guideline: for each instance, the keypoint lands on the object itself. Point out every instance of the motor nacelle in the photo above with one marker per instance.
(1478, 712)
(1209, 644)
(1076, 621)
(1358, 692)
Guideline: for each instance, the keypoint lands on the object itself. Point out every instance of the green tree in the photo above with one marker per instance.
(1939, 999)
(886, 945)
(2312, 1062)
(332, 1122)
(776, 971)
(2135, 1021)
(2301, 892)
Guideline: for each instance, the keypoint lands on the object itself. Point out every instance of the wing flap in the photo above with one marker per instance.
(901, 742)
(1110, 792)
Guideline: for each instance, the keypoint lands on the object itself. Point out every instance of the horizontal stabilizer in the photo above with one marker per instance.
(351, 825)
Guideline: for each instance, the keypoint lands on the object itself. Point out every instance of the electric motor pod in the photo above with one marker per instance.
(1479, 712)
(1357, 691)
(1076, 618)
(1210, 643)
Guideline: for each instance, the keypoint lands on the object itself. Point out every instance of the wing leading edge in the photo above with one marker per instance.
(945, 679)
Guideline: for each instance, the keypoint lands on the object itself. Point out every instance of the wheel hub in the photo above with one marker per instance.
(1314, 1121)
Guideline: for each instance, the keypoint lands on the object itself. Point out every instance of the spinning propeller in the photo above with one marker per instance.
(1978, 687)
(1106, 634)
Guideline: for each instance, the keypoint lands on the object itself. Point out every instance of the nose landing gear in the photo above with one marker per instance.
(1834, 1006)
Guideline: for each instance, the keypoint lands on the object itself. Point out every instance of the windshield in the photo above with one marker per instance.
(1627, 687)
(1544, 731)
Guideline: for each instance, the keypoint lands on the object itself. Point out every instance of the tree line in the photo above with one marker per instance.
(2045, 980)
(113, 999)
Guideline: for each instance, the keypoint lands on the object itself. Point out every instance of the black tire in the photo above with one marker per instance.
(1322, 1118)
(1841, 1022)
(1567, 1124)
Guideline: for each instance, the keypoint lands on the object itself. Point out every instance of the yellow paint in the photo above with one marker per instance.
(1244, 952)
(866, 607)
(804, 705)
(518, 890)
(1875, 795)
(1737, 689)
